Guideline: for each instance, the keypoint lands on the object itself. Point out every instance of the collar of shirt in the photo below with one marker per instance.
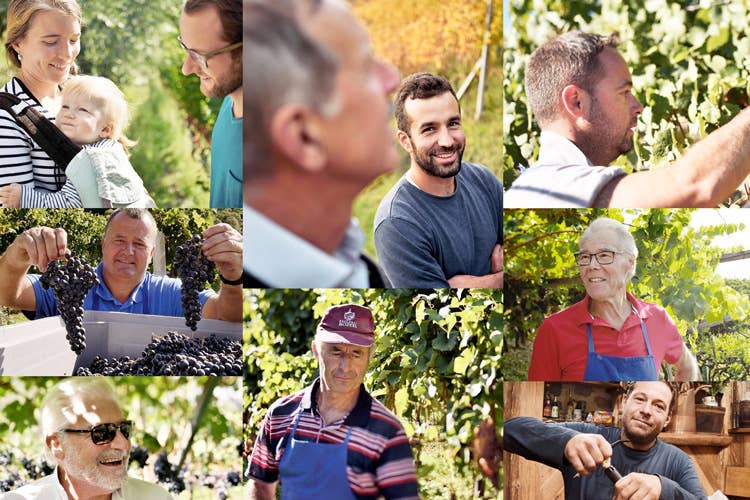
(358, 417)
(284, 260)
(557, 150)
(582, 311)
(53, 481)
(103, 292)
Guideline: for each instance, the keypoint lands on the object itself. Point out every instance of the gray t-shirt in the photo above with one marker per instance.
(545, 443)
(562, 177)
(423, 240)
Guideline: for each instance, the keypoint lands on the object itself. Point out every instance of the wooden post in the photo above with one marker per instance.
(160, 256)
(484, 59)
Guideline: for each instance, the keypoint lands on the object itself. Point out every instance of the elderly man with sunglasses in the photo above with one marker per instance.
(87, 436)
(609, 335)
(211, 35)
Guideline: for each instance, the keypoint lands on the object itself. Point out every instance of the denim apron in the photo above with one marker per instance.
(603, 368)
(314, 470)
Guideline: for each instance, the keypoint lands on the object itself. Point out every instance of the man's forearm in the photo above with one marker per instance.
(687, 366)
(258, 490)
(493, 280)
(14, 279)
(229, 303)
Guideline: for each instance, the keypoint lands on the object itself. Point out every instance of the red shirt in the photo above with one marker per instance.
(561, 344)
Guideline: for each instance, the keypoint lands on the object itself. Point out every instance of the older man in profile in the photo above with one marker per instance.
(88, 437)
(609, 335)
(332, 439)
(318, 134)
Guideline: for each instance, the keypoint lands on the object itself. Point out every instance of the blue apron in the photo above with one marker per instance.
(314, 470)
(603, 368)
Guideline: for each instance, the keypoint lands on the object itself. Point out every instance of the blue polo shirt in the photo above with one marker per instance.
(153, 295)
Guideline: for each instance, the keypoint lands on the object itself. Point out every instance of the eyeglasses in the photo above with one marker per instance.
(105, 433)
(605, 257)
(202, 59)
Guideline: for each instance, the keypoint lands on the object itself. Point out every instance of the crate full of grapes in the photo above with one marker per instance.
(122, 344)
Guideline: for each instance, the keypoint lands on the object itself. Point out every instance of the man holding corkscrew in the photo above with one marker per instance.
(125, 285)
(597, 462)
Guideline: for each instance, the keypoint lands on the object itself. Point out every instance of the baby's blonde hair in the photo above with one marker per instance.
(109, 99)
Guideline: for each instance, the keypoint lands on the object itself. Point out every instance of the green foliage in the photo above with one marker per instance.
(675, 269)
(689, 65)
(436, 358)
(162, 408)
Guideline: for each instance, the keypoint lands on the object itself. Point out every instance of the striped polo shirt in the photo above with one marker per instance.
(379, 459)
(22, 161)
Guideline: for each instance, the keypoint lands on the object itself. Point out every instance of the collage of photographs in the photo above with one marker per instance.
(462, 249)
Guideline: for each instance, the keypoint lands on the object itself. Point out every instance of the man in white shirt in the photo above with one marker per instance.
(580, 91)
(87, 436)
(318, 134)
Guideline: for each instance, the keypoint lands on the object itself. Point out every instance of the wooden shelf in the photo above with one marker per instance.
(696, 439)
(740, 430)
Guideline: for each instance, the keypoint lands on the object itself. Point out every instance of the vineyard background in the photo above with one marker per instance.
(436, 366)
(194, 417)
(134, 43)
(676, 269)
(443, 37)
(690, 63)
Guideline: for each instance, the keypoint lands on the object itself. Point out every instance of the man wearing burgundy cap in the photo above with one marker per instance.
(332, 439)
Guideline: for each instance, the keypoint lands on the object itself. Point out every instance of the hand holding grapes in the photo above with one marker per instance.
(38, 246)
(222, 244)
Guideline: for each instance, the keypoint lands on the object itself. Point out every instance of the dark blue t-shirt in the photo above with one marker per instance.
(423, 240)
(153, 295)
(545, 443)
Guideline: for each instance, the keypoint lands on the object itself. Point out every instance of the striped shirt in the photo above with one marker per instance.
(67, 197)
(379, 458)
(22, 161)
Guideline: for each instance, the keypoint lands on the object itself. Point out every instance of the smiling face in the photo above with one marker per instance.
(48, 49)
(605, 282)
(436, 140)
(81, 120)
(342, 367)
(127, 248)
(646, 412)
(92, 468)
(202, 31)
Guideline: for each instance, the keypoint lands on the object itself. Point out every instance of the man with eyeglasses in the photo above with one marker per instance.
(87, 436)
(211, 35)
(609, 335)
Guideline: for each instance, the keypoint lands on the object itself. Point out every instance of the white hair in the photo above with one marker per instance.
(58, 405)
(625, 242)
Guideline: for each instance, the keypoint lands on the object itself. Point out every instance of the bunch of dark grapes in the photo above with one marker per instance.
(194, 270)
(11, 476)
(70, 283)
(175, 354)
(139, 455)
(169, 474)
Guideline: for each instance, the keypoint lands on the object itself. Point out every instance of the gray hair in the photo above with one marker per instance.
(282, 64)
(58, 405)
(569, 59)
(625, 241)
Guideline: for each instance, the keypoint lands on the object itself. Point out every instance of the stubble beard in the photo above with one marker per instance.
(640, 438)
(233, 82)
(426, 161)
(90, 473)
(604, 145)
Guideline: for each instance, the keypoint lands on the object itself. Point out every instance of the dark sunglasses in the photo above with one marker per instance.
(105, 433)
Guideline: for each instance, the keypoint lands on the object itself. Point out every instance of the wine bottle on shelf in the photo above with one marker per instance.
(547, 409)
(555, 408)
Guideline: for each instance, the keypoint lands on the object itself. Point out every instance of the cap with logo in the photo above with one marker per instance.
(347, 324)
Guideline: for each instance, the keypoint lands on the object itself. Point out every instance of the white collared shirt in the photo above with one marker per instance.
(562, 177)
(49, 488)
(282, 259)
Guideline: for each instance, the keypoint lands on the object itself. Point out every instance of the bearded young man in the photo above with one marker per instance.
(88, 437)
(211, 35)
(650, 468)
(441, 224)
(580, 91)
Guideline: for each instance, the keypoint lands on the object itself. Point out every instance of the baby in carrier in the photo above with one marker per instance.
(94, 114)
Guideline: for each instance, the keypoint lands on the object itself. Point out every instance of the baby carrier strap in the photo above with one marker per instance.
(56, 144)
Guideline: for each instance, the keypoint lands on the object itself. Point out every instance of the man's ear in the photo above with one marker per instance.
(55, 446)
(575, 101)
(666, 422)
(295, 132)
(403, 139)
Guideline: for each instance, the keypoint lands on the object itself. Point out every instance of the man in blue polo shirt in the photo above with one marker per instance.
(125, 284)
